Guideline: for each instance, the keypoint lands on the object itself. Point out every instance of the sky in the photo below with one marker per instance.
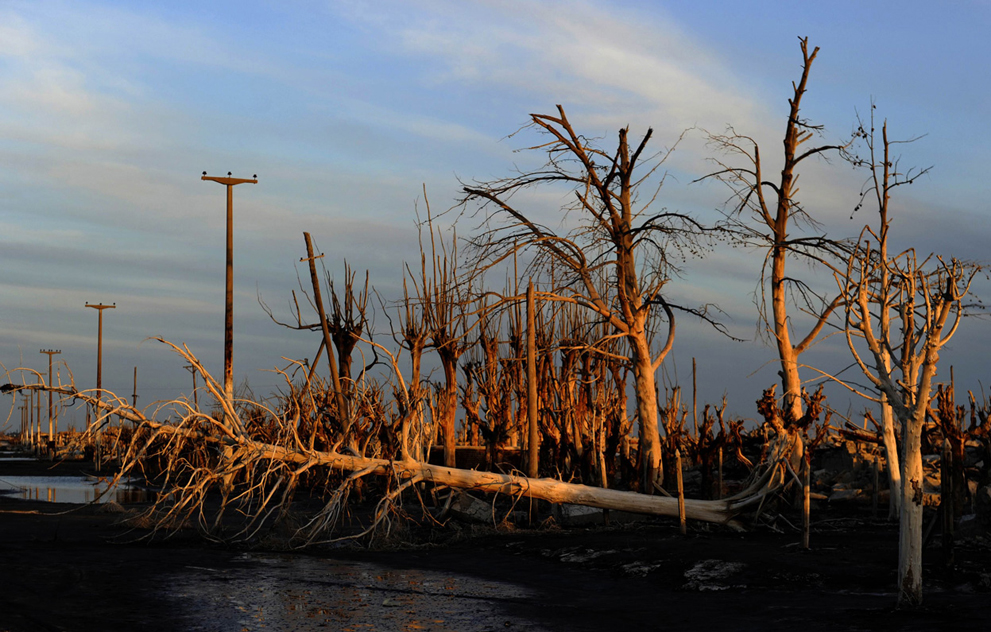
(347, 111)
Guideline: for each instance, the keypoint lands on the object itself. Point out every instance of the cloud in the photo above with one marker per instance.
(614, 66)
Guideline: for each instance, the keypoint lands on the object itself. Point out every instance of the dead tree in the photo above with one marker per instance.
(766, 214)
(884, 177)
(619, 238)
(929, 300)
(446, 313)
(255, 476)
(348, 320)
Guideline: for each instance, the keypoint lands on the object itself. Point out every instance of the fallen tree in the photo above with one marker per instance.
(222, 454)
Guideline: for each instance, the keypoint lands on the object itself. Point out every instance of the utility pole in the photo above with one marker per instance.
(230, 183)
(196, 403)
(51, 423)
(99, 307)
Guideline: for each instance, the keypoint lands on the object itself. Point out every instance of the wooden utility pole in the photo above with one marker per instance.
(533, 438)
(327, 341)
(51, 423)
(196, 403)
(99, 307)
(230, 183)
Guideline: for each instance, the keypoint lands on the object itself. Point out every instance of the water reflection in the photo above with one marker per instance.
(67, 489)
(286, 592)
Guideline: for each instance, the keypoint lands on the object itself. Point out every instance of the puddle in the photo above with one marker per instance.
(284, 592)
(67, 489)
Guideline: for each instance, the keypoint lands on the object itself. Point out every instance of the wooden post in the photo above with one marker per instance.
(37, 423)
(719, 493)
(877, 482)
(533, 437)
(946, 501)
(681, 492)
(806, 489)
(695, 414)
(30, 417)
(327, 340)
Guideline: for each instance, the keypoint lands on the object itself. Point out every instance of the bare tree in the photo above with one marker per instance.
(885, 176)
(928, 297)
(617, 261)
(774, 212)
(445, 312)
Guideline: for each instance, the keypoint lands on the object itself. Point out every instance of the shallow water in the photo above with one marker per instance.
(287, 592)
(67, 489)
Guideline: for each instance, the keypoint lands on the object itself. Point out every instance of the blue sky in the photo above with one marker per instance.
(109, 111)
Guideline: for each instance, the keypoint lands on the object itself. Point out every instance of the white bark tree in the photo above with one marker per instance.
(928, 299)
(885, 176)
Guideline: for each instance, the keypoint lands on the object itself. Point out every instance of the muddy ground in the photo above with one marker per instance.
(63, 567)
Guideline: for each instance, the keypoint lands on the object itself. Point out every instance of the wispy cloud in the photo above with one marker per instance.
(613, 65)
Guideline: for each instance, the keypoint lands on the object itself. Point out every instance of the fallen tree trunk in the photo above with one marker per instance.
(551, 490)
(548, 489)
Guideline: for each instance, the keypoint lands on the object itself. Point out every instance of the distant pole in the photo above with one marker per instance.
(99, 307)
(533, 438)
(51, 423)
(230, 183)
(196, 403)
(134, 393)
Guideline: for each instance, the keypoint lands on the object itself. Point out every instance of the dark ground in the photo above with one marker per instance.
(64, 568)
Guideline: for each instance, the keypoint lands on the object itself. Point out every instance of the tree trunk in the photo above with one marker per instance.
(910, 528)
(548, 489)
(791, 382)
(650, 438)
(891, 454)
(448, 412)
